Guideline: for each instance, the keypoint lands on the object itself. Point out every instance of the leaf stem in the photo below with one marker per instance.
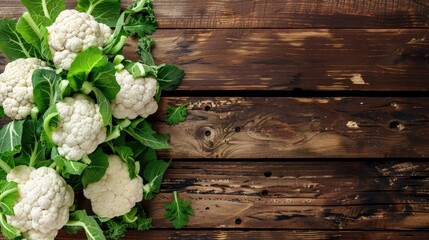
(46, 126)
(45, 9)
(27, 17)
(34, 154)
(5, 193)
(4, 166)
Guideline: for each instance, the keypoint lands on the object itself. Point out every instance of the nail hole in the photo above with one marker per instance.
(238, 221)
(264, 193)
(207, 133)
(394, 104)
(238, 129)
(268, 174)
(207, 208)
(207, 108)
(396, 125)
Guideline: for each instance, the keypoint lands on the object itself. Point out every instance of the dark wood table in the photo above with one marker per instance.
(290, 102)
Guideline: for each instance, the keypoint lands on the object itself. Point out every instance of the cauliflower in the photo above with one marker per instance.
(16, 89)
(80, 128)
(43, 202)
(74, 32)
(115, 194)
(135, 98)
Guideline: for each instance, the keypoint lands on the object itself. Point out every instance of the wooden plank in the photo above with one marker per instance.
(261, 59)
(299, 195)
(277, 13)
(280, 127)
(262, 235)
(239, 127)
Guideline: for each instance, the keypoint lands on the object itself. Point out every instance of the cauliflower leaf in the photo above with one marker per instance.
(96, 169)
(153, 174)
(104, 11)
(46, 89)
(8, 231)
(47, 8)
(169, 76)
(11, 42)
(176, 115)
(80, 220)
(11, 135)
(178, 211)
(143, 132)
(8, 196)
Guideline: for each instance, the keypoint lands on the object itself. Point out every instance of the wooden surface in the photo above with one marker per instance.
(254, 153)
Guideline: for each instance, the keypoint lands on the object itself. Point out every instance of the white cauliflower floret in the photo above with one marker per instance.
(80, 128)
(44, 199)
(135, 98)
(73, 32)
(115, 194)
(16, 89)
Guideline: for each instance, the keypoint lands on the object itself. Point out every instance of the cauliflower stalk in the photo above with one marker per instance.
(80, 129)
(16, 89)
(109, 198)
(73, 32)
(43, 203)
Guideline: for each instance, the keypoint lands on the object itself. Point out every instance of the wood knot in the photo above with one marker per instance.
(396, 125)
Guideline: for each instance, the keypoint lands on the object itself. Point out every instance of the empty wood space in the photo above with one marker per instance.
(307, 119)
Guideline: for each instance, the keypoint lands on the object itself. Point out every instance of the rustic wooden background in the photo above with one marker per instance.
(277, 89)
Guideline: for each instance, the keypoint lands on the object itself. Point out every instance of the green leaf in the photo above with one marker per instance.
(10, 136)
(2, 115)
(96, 170)
(144, 49)
(104, 11)
(11, 43)
(143, 133)
(82, 66)
(178, 211)
(141, 26)
(67, 167)
(103, 78)
(80, 220)
(140, 70)
(153, 174)
(46, 89)
(127, 155)
(115, 229)
(47, 8)
(8, 196)
(176, 115)
(32, 146)
(104, 104)
(170, 76)
(115, 39)
(30, 29)
(45, 50)
(8, 231)
(50, 121)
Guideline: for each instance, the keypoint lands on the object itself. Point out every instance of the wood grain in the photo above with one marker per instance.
(262, 235)
(276, 13)
(298, 127)
(299, 195)
(261, 59)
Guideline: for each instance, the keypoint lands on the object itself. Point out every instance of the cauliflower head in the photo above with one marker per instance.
(16, 89)
(44, 199)
(73, 32)
(115, 194)
(135, 98)
(80, 128)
